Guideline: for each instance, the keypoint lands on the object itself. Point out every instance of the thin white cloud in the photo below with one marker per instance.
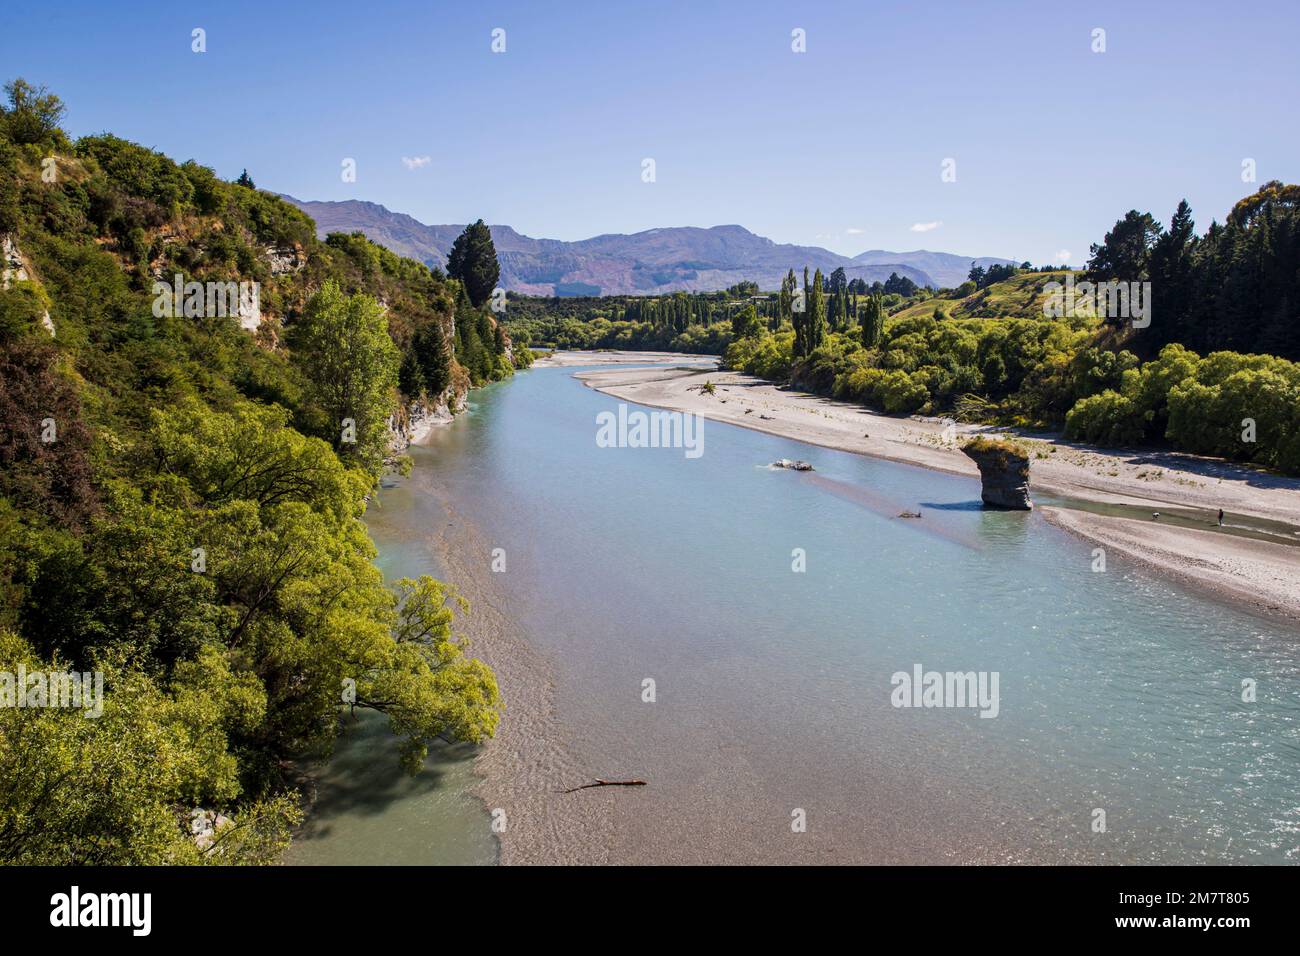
(853, 232)
(925, 226)
(415, 162)
(1063, 255)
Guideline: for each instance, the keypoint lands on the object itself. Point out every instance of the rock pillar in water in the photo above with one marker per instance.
(1004, 473)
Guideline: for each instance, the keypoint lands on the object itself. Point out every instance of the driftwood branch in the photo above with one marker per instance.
(606, 783)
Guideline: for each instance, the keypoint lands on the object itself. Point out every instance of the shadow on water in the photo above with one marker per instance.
(364, 776)
(890, 507)
(367, 809)
(973, 505)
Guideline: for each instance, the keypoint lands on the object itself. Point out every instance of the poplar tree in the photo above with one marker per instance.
(816, 324)
(800, 320)
(872, 320)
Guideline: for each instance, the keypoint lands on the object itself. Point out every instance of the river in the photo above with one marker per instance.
(1120, 735)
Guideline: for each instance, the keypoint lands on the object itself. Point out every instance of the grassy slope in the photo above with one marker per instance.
(1020, 297)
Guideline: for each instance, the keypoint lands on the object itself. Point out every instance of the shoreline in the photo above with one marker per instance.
(566, 359)
(1262, 576)
(525, 768)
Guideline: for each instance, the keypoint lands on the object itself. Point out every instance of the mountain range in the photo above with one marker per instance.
(656, 261)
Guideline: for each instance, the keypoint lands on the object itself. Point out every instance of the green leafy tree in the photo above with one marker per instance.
(119, 789)
(800, 320)
(872, 320)
(343, 348)
(745, 323)
(33, 116)
(785, 301)
(816, 330)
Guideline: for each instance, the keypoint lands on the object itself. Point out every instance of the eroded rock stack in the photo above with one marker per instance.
(1004, 473)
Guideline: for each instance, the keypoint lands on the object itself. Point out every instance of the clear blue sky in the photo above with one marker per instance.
(840, 146)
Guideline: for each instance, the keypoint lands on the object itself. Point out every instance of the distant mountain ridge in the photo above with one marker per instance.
(948, 269)
(653, 262)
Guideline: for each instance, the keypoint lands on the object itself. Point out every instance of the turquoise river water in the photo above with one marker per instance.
(1118, 691)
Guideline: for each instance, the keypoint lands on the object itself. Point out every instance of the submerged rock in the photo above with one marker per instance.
(793, 465)
(1004, 473)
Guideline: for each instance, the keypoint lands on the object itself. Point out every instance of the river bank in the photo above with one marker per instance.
(1262, 575)
(614, 357)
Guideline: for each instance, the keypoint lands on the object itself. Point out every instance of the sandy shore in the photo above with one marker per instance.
(577, 359)
(1260, 574)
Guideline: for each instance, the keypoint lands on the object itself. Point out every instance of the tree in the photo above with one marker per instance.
(1126, 249)
(816, 329)
(800, 319)
(1171, 268)
(45, 447)
(33, 115)
(11, 189)
(430, 689)
(785, 302)
(872, 320)
(900, 285)
(245, 180)
(343, 347)
(426, 366)
(116, 790)
(473, 260)
(745, 323)
(838, 282)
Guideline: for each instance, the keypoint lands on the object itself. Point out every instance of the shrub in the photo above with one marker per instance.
(1107, 418)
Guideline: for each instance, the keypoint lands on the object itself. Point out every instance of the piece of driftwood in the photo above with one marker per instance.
(607, 783)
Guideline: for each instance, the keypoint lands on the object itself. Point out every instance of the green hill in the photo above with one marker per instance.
(1020, 297)
(182, 481)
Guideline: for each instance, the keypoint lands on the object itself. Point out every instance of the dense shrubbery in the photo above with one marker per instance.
(1239, 406)
(642, 336)
(180, 502)
(1034, 372)
(1034, 369)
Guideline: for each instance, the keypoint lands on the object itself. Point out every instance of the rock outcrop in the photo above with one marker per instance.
(793, 465)
(13, 268)
(285, 260)
(1004, 473)
(414, 420)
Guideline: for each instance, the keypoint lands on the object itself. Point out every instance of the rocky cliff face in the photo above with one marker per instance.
(414, 420)
(13, 268)
(1004, 473)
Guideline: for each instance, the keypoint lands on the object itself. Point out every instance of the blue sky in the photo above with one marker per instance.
(840, 146)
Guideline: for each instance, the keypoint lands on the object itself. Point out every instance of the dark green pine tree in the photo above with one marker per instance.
(473, 260)
(1124, 253)
(1171, 267)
